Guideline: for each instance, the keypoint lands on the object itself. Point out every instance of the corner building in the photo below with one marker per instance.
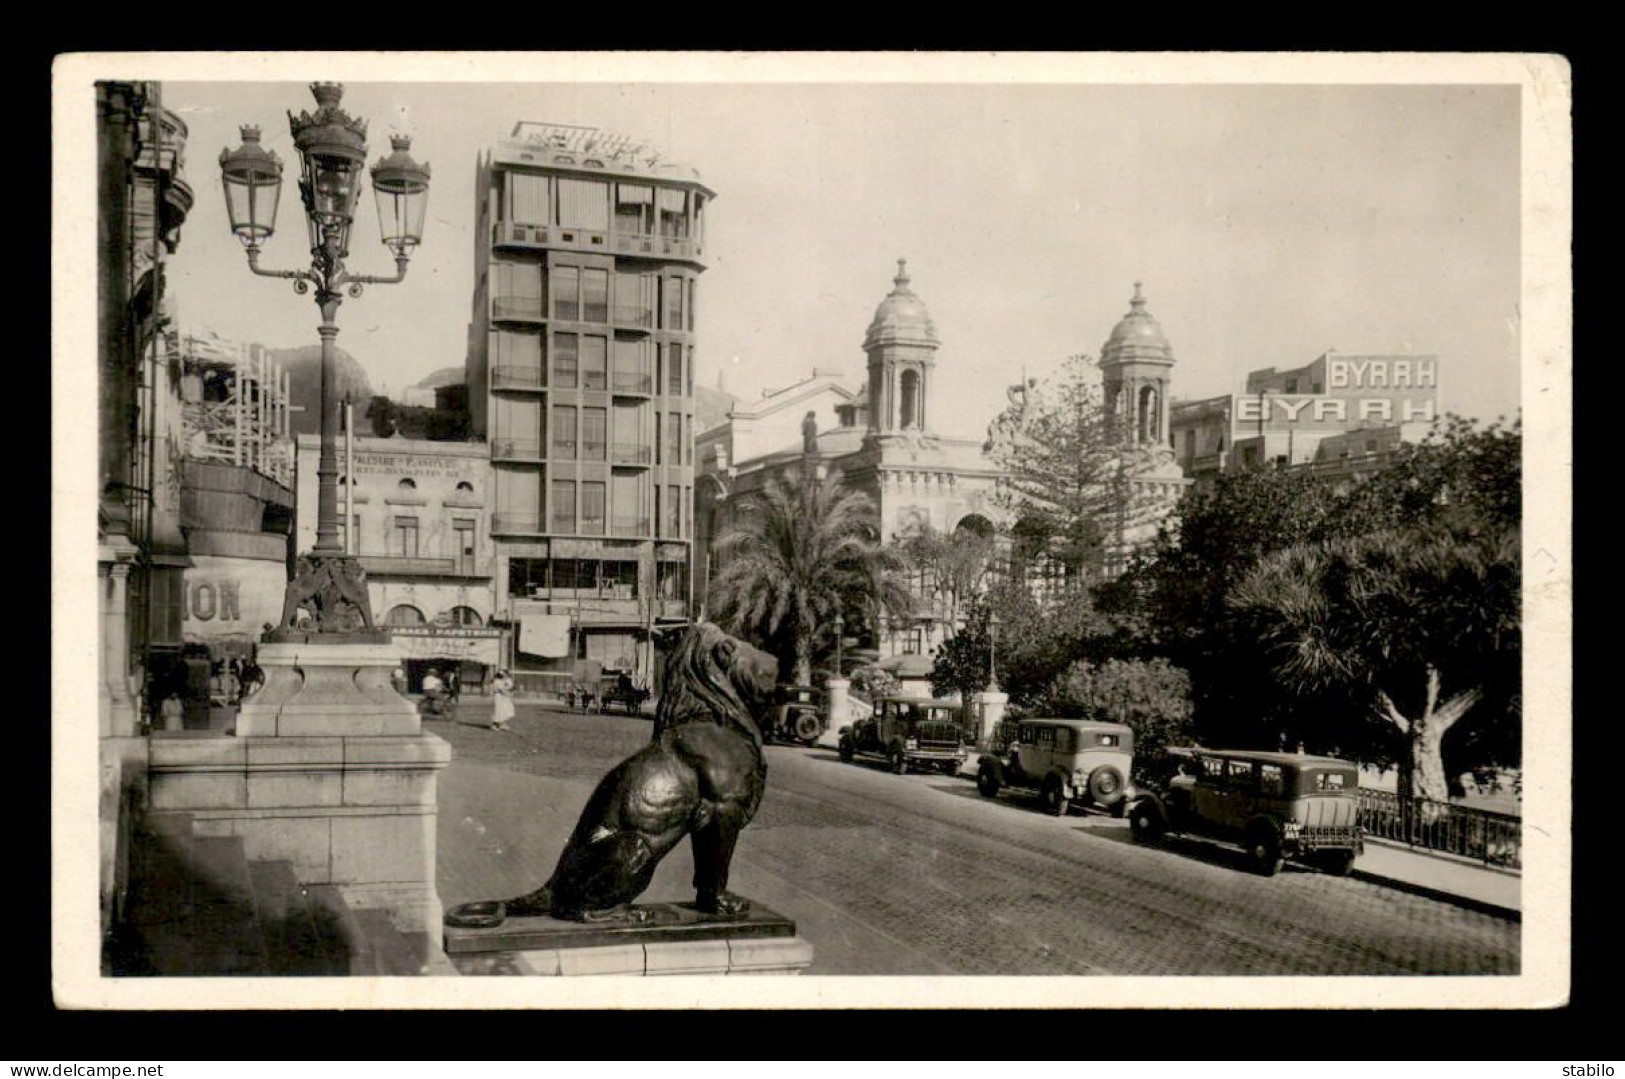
(580, 376)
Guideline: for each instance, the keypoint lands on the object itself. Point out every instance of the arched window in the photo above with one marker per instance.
(404, 614)
(910, 386)
(406, 486)
(1149, 424)
(465, 616)
(465, 488)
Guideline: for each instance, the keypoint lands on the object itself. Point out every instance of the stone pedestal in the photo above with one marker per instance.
(329, 770)
(990, 712)
(836, 702)
(676, 939)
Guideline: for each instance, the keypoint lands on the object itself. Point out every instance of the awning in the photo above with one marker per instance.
(546, 635)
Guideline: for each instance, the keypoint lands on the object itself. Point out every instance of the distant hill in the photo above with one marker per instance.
(711, 407)
(446, 376)
(304, 367)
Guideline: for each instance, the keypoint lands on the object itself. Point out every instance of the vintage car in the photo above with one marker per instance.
(1273, 806)
(1065, 762)
(798, 715)
(908, 732)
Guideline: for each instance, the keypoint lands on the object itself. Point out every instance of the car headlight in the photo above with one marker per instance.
(1291, 829)
(1077, 779)
(911, 743)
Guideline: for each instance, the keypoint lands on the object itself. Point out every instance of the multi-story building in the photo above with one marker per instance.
(143, 202)
(580, 375)
(1338, 415)
(417, 515)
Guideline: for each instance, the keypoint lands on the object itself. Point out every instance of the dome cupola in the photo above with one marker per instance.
(901, 318)
(1137, 337)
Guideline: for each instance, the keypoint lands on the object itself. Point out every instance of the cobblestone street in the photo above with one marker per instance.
(919, 875)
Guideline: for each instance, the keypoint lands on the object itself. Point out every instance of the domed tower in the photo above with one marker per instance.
(901, 345)
(1136, 365)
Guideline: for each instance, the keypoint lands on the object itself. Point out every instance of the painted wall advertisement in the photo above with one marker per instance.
(231, 599)
(1361, 391)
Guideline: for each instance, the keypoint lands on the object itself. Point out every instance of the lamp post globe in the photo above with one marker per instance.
(328, 586)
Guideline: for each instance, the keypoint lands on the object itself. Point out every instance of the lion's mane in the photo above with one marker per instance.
(701, 686)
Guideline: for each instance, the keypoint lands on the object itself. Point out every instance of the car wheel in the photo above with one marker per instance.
(1054, 798)
(845, 749)
(899, 762)
(1339, 863)
(1145, 823)
(1106, 785)
(807, 727)
(1264, 850)
(987, 781)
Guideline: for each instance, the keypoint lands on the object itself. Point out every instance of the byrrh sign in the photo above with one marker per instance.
(1360, 391)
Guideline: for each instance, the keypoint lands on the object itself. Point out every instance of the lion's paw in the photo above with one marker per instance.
(725, 905)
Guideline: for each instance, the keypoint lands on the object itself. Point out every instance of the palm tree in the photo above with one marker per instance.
(795, 555)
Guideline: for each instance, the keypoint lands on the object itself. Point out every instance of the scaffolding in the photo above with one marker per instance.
(237, 407)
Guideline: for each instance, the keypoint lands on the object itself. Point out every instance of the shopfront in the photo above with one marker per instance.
(474, 652)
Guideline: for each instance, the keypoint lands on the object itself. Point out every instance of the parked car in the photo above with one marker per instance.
(798, 715)
(1273, 806)
(1065, 762)
(908, 732)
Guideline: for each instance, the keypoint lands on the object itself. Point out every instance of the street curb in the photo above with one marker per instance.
(1449, 859)
(1482, 906)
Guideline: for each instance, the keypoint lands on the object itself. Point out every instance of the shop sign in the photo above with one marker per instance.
(226, 597)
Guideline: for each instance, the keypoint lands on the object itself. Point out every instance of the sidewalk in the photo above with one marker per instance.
(1441, 876)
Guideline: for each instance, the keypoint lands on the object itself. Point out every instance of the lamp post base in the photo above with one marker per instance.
(326, 603)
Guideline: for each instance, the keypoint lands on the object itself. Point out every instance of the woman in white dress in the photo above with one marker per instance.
(501, 701)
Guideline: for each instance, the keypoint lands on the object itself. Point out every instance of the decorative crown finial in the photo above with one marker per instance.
(1139, 298)
(901, 280)
(250, 132)
(327, 94)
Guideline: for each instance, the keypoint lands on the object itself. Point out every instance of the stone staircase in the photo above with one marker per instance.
(196, 906)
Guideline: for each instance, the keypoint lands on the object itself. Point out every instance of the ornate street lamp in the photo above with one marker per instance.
(328, 585)
(840, 628)
(992, 650)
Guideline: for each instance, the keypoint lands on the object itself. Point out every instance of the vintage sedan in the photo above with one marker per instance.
(924, 733)
(1273, 806)
(1065, 762)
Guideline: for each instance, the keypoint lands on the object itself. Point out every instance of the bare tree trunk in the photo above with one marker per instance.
(1421, 771)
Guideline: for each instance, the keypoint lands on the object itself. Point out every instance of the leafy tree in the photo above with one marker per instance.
(381, 411)
(1151, 696)
(951, 567)
(795, 554)
(1067, 476)
(1416, 624)
(1036, 639)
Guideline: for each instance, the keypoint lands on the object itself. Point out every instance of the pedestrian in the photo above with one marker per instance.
(501, 701)
(173, 712)
(433, 692)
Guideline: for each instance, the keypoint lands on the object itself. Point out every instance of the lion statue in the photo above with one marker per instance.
(702, 775)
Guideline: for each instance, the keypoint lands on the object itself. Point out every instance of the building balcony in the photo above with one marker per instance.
(399, 566)
(515, 449)
(592, 526)
(516, 309)
(633, 382)
(679, 247)
(634, 317)
(508, 377)
(527, 237)
(507, 234)
(563, 449)
(632, 526)
(630, 453)
(516, 524)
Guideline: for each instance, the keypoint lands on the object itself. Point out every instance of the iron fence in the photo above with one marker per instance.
(1491, 838)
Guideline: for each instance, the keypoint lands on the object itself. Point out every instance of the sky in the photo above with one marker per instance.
(1269, 223)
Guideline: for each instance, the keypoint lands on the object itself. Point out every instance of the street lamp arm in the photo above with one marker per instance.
(302, 279)
(354, 281)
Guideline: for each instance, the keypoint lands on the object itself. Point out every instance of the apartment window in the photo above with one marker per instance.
(674, 370)
(404, 614)
(526, 576)
(592, 508)
(634, 302)
(594, 426)
(463, 529)
(594, 362)
(688, 294)
(618, 578)
(563, 512)
(671, 581)
(632, 365)
(660, 456)
(699, 218)
(688, 372)
(595, 295)
(673, 213)
(688, 511)
(688, 439)
(516, 290)
(566, 292)
(674, 509)
(566, 360)
(527, 199)
(671, 303)
(403, 538)
(583, 204)
(634, 209)
(518, 358)
(564, 432)
(674, 432)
